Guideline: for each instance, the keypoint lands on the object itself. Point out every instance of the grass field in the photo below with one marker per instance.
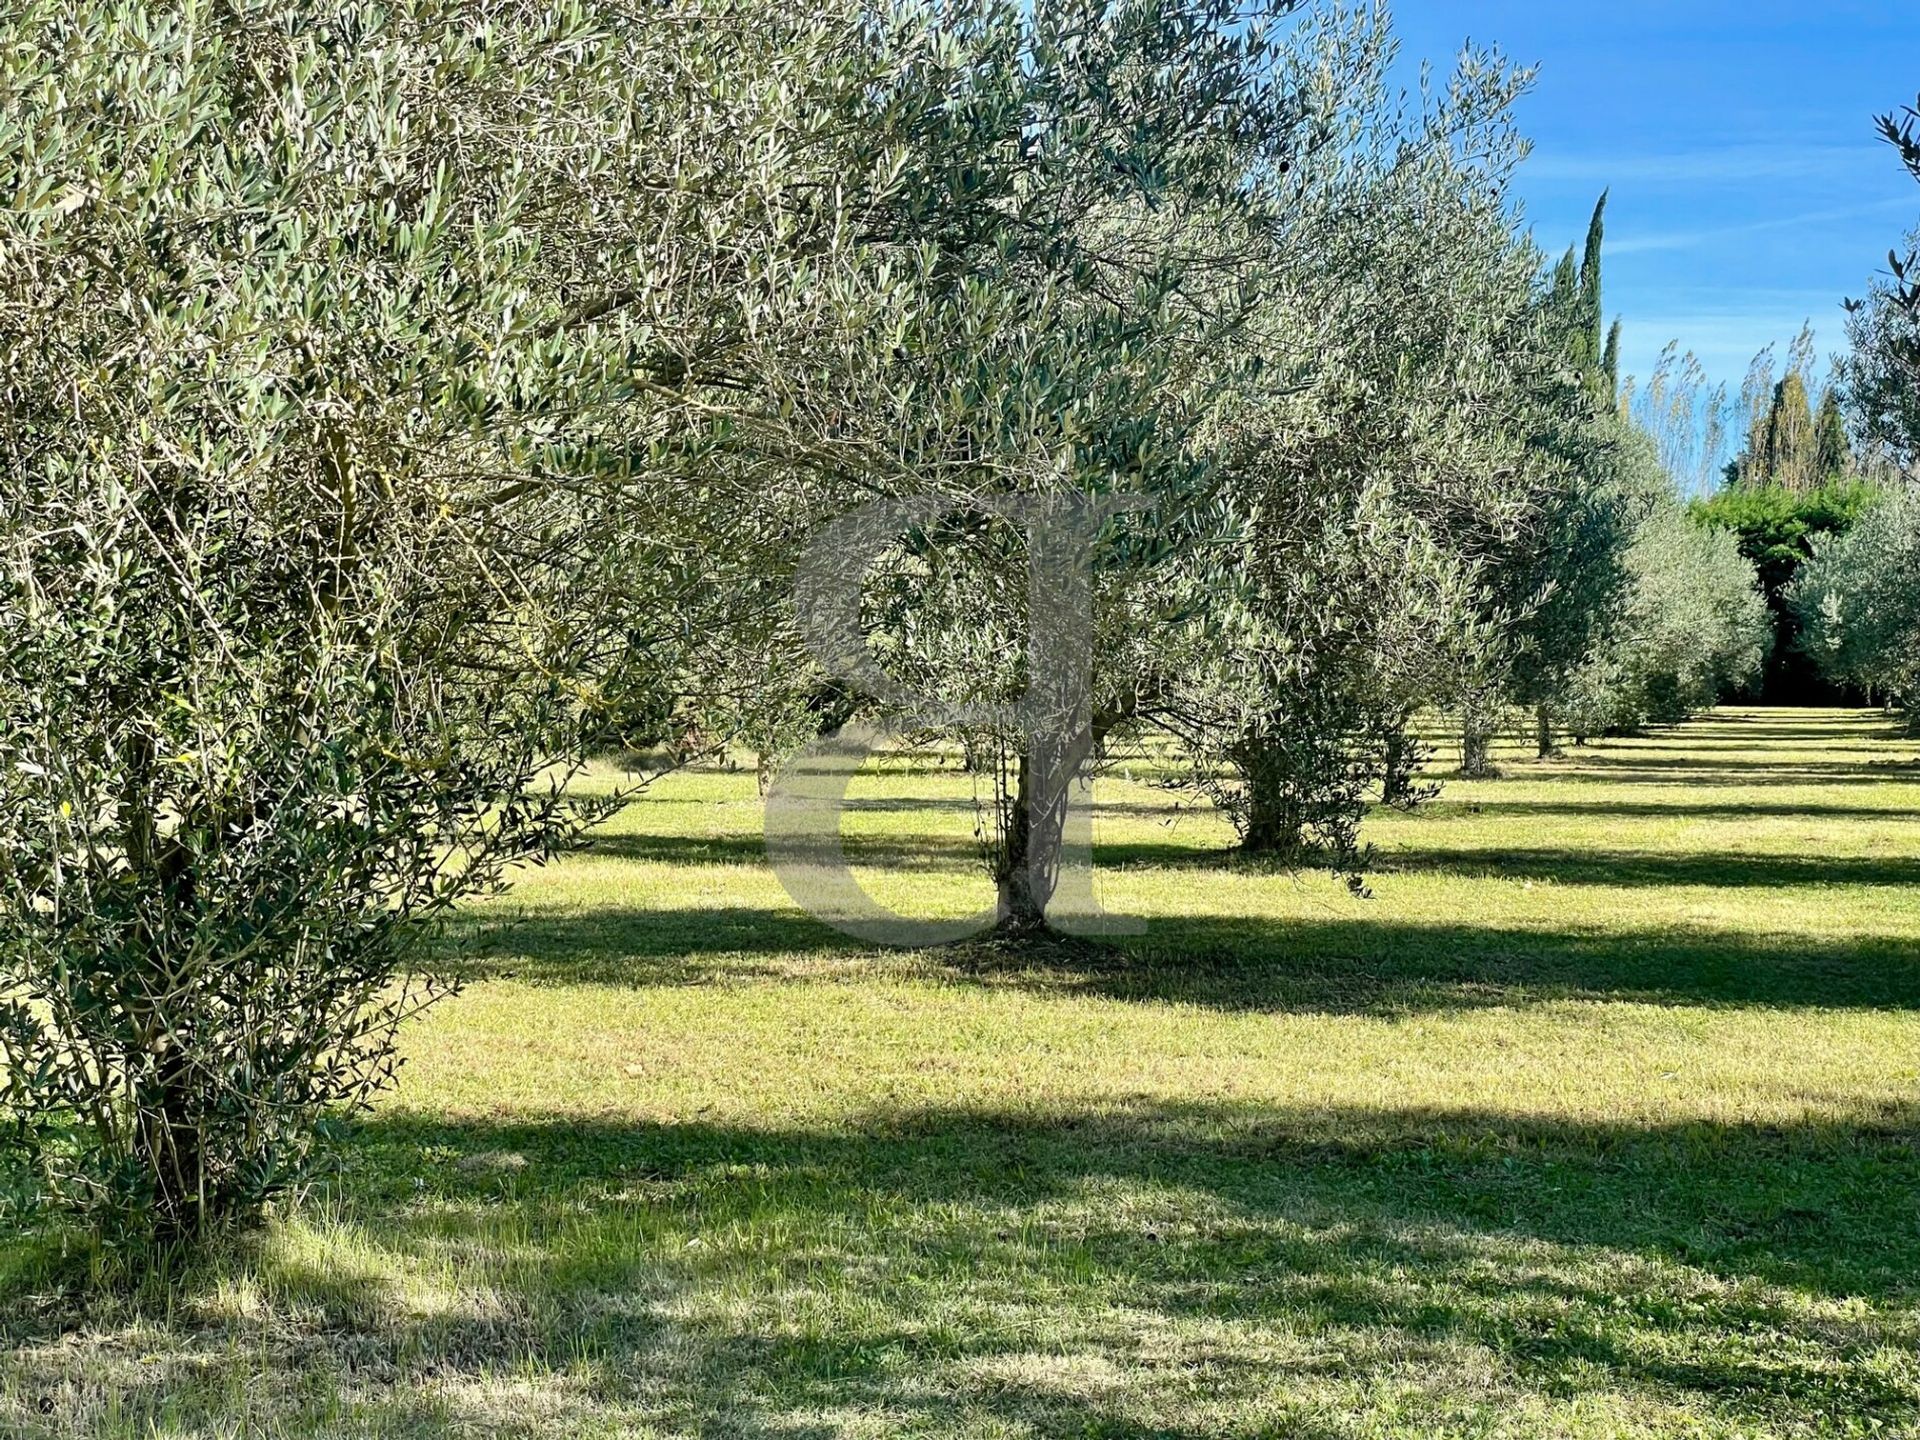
(1598, 1119)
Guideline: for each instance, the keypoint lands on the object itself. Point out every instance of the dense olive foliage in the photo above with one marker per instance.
(1881, 372)
(1693, 627)
(1858, 602)
(356, 449)
(397, 403)
(326, 398)
(1855, 606)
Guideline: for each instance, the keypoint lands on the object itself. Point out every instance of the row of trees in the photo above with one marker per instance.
(1805, 474)
(1691, 629)
(396, 403)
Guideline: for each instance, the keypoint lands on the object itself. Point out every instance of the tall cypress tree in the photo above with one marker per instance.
(1833, 452)
(1566, 296)
(1591, 341)
(1578, 291)
(1610, 365)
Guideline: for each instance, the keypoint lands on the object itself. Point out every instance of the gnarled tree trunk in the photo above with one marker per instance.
(1476, 744)
(1275, 824)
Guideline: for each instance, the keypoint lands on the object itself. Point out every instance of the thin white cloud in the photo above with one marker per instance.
(1725, 334)
(1689, 239)
(1728, 164)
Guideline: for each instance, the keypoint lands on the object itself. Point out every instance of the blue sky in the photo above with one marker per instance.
(1749, 192)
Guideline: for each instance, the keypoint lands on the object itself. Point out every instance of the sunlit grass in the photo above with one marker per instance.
(1597, 1119)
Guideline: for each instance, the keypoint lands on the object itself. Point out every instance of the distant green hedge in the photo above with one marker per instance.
(1775, 527)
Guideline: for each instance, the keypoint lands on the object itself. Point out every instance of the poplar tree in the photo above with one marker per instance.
(1791, 456)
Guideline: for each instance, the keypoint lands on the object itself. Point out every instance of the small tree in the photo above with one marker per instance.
(347, 443)
(1858, 602)
(1881, 374)
(1541, 565)
(1691, 627)
(1367, 488)
(1095, 193)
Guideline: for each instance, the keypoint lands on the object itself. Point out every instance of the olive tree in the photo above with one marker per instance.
(369, 384)
(1692, 625)
(1085, 193)
(1858, 602)
(1576, 576)
(1344, 472)
(1881, 372)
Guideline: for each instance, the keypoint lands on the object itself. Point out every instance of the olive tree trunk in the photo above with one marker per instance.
(1476, 744)
(1276, 823)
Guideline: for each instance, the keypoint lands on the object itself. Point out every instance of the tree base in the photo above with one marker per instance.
(1023, 945)
(1294, 853)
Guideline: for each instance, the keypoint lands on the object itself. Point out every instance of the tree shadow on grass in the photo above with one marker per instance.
(1628, 767)
(1153, 1270)
(1721, 778)
(1391, 967)
(1319, 966)
(1636, 869)
(616, 945)
(1605, 868)
(1873, 724)
(650, 848)
(1630, 869)
(902, 851)
(1448, 809)
(1583, 866)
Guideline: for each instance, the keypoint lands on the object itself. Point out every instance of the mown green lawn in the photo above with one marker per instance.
(1598, 1119)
